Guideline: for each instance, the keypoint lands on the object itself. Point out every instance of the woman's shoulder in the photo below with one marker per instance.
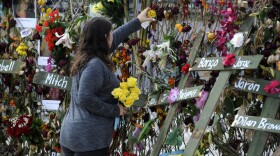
(95, 63)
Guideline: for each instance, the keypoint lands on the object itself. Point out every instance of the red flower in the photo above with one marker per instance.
(39, 28)
(171, 81)
(229, 60)
(46, 24)
(185, 68)
(271, 88)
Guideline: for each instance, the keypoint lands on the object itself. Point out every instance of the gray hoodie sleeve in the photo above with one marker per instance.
(89, 85)
(122, 32)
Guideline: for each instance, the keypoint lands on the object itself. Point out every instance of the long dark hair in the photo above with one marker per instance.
(93, 43)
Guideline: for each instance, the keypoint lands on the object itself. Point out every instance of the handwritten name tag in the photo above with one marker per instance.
(216, 63)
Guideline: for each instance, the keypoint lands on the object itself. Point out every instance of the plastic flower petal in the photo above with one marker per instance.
(150, 55)
(131, 82)
(229, 60)
(124, 85)
(173, 95)
(64, 39)
(237, 40)
(185, 68)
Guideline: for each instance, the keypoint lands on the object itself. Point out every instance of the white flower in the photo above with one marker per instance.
(150, 55)
(64, 39)
(237, 40)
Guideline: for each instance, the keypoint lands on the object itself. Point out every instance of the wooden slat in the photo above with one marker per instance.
(173, 108)
(11, 66)
(253, 86)
(53, 80)
(269, 110)
(257, 123)
(213, 98)
(216, 63)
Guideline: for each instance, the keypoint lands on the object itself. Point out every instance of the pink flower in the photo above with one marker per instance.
(196, 118)
(271, 87)
(200, 102)
(229, 60)
(48, 68)
(139, 146)
(173, 95)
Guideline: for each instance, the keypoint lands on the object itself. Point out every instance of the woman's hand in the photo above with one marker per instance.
(122, 110)
(143, 16)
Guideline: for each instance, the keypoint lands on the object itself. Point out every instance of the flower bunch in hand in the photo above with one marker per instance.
(128, 92)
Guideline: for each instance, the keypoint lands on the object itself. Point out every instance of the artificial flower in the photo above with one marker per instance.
(117, 92)
(126, 92)
(131, 82)
(237, 40)
(129, 101)
(273, 87)
(211, 37)
(136, 132)
(124, 85)
(152, 13)
(171, 81)
(122, 97)
(185, 68)
(278, 65)
(135, 90)
(200, 102)
(48, 67)
(64, 39)
(134, 96)
(21, 49)
(97, 7)
(173, 95)
(196, 118)
(149, 55)
(41, 2)
(179, 27)
(229, 60)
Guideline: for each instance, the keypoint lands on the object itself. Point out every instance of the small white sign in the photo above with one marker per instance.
(50, 104)
(43, 60)
(25, 32)
(26, 22)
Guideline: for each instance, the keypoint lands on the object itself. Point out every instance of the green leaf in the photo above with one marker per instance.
(146, 129)
(175, 138)
(228, 106)
(272, 72)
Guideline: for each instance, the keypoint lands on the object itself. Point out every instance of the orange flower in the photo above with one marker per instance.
(179, 27)
(171, 81)
(12, 103)
(278, 65)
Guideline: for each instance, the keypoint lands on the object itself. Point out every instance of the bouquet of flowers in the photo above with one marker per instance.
(128, 92)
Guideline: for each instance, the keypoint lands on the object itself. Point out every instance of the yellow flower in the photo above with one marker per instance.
(134, 96)
(152, 13)
(211, 36)
(131, 81)
(126, 92)
(179, 27)
(135, 90)
(49, 10)
(110, 1)
(122, 97)
(97, 7)
(128, 102)
(124, 85)
(43, 10)
(21, 49)
(117, 92)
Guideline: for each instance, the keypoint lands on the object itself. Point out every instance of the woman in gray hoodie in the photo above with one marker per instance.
(87, 127)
